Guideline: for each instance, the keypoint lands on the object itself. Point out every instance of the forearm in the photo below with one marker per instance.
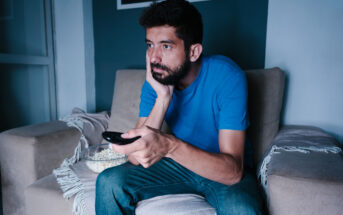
(154, 120)
(222, 168)
(156, 116)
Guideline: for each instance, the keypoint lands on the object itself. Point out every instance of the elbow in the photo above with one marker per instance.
(238, 176)
(239, 171)
(234, 176)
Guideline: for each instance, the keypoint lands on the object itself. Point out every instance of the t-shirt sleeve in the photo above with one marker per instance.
(232, 102)
(148, 98)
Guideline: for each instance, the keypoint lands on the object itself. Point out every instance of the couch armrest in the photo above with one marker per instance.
(31, 152)
(305, 172)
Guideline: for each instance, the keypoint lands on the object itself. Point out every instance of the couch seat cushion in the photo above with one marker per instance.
(185, 204)
(45, 197)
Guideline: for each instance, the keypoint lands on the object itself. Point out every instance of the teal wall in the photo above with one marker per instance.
(308, 46)
(236, 29)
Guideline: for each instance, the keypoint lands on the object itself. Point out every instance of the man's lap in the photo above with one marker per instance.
(169, 177)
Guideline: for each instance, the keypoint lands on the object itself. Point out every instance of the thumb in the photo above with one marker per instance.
(130, 134)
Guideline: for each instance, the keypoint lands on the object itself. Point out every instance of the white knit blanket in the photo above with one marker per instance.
(73, 176)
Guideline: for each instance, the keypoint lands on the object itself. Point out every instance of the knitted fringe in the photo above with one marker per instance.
(71, 185)
(66, 178)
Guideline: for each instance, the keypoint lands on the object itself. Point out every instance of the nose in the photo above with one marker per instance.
(155, 55)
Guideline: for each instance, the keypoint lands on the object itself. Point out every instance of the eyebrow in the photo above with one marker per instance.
(163, 41)
(167, 41)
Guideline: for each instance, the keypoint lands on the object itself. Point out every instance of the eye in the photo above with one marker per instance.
(149, 45)
(166, 46)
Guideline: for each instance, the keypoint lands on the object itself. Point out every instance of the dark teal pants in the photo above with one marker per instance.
(118, 189)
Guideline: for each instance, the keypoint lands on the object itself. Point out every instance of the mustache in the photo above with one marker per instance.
(159, 66)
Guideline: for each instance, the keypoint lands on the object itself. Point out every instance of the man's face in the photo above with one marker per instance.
(168, 60)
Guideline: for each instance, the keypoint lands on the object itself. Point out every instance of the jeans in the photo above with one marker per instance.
(118, 189)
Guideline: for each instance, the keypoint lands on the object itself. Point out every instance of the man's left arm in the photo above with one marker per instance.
(225, 167)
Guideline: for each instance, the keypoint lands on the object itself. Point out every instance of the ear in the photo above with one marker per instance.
(195, 52)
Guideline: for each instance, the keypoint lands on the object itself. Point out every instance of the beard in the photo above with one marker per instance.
(174, 75)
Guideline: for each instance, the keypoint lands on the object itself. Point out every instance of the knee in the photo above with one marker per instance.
(249, 206)
(109, 191)
(242, 204)
(110, 179)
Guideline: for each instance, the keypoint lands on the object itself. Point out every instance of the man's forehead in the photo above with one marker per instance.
(164, 32)
(162, 27)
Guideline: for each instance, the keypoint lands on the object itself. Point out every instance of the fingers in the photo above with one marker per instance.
(135, 146)
(135, 132)
(126, 149)
(138, 152)
(146, 159)
(133, 160)
(129, 134)
(146, 150)
(148, 66)
(147, 61)
(171, 89)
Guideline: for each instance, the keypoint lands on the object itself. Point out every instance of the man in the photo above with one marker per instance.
(204, 102)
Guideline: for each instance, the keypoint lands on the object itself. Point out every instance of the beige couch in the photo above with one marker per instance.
(298, 183)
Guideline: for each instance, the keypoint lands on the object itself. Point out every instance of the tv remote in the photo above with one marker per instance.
(115, 137)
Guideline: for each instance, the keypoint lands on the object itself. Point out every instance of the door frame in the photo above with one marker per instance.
(47, 61)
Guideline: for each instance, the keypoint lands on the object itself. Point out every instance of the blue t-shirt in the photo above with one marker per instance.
(216, 99)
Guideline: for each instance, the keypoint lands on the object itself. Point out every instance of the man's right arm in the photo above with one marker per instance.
(164, 95)
(154, 120)
(162, 101)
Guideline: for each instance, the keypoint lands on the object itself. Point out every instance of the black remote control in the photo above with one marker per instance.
(115, 137)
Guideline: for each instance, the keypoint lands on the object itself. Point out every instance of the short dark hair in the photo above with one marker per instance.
(176, 13)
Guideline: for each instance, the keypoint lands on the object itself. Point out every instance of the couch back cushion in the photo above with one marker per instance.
(126, 99)
(265, 100)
